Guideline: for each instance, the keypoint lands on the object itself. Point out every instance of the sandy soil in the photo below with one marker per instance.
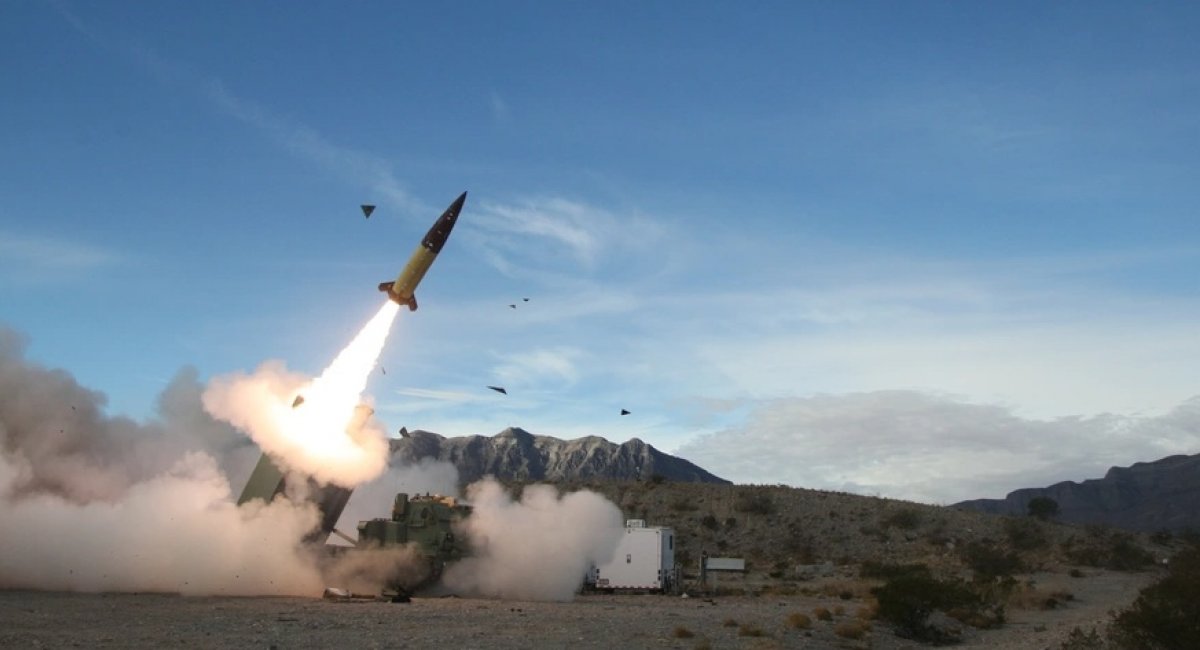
(63, 620)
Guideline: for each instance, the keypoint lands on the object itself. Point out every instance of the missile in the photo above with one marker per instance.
(401, 289)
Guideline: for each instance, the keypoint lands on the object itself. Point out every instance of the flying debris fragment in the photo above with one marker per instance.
(383, 370)
(624, 412)
(367, 210)
(513, 306)
(525, 299)
(298, 401)
(499, 389)
(401, 289)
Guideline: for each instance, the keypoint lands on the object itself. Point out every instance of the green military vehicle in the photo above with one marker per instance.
(426, 525)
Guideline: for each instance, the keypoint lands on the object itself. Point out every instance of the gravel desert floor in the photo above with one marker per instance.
(63, 620)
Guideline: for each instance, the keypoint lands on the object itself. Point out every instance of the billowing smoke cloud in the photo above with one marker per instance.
(56, 431)
(177, 532)
(95, 503)
(537, 548)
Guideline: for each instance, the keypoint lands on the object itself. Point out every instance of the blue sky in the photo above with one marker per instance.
(926, 250)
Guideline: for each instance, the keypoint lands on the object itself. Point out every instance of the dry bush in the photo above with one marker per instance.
(847, 589)
(838, 610)
(851, 629)
(799, 621)
(785, 589)
(703, 644)
(1028, 597)
(978, 618)
(822, 614)
(729, 622)
(905, 519)
(746, 629)
(869, 611)
(681, 632)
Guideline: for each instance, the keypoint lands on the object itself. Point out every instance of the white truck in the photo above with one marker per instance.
(644, 560)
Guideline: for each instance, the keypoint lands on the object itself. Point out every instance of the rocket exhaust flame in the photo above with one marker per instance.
(320, 434)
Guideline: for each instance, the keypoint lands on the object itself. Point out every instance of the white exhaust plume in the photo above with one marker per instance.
(536, 549)
(178, 532)
(317, 436)
(96, 503)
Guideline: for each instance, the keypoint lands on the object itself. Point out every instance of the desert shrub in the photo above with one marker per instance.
(1043, 508)
(731, 522)
(989, 562)
(884, 571)
(657, 479)
(868, 612)
(907, 601)
(681, 632)
(746, 629)
(1166, 614)
(822, 614)
(1089, 555)
(786, 589)
(1126, 555)
(729, 622)
(1162, 537)
(905, 519)
(710, 522)
(799, 621)
(1075, 573)
(757, 504)
(851, 629)
(1025, 534)
(838, 610)
(683, 504)
(1080, 640)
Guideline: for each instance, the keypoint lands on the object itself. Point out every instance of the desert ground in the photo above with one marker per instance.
(31, 619)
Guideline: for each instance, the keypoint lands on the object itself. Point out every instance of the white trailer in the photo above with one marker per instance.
(644, 560)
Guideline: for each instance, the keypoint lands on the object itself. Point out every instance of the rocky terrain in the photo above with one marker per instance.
(516, 454)
(789, 534)
(1154, 496)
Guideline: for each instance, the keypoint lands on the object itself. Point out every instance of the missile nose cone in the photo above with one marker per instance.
(437, 235)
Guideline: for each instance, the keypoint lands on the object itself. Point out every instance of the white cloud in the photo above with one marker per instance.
(932, 448)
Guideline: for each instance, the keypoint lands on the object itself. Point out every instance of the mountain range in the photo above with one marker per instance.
(516, 454)
(1159, 495)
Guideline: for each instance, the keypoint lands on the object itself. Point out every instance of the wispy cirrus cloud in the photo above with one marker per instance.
(452, 396)
(349, 164)
(539, 367)
(31, 258)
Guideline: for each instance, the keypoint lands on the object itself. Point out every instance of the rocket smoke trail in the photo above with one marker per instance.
(322, 437)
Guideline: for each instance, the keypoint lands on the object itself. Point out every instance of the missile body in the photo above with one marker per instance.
(401, 289)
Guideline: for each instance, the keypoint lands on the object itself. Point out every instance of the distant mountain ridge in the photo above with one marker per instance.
(1159, 495)
(516, 454)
